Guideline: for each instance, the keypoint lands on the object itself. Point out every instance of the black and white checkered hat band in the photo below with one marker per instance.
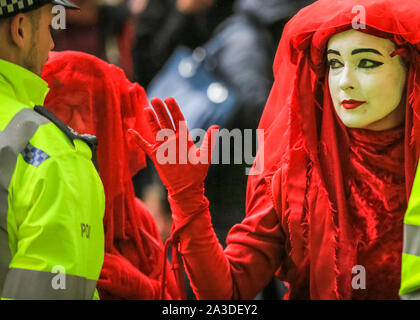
(9, 8)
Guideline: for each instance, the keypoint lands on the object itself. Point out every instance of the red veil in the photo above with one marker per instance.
(304, 136)
(95, 97)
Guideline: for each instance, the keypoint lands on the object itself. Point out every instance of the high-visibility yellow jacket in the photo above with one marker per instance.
(51, 198)
(410, 271)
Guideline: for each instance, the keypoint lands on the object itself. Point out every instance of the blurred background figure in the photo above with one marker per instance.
(193, 6)
(167, 24)
(103, 28)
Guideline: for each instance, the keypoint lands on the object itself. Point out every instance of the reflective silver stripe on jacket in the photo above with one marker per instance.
(13, 140)
(26, 284)
(412, 240)
(411, 296)
(411, 247)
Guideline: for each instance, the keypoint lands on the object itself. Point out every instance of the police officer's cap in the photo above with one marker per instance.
(10, 8)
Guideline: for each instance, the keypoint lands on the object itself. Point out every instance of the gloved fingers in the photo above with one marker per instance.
(182, 131)
(176, 113)
(152, 121)
(140, 141)
(210, 139)
(164, 119)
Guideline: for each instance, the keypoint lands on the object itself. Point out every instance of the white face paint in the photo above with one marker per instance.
(366, 84)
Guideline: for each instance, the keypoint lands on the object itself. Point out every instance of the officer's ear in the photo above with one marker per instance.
(20, 30)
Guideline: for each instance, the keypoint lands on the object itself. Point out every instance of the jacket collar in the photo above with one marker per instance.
(22, 84)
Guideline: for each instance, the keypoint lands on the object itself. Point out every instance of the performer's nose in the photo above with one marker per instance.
(347, 80)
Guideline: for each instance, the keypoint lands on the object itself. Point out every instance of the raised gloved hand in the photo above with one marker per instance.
(182, 166)
(192, 235)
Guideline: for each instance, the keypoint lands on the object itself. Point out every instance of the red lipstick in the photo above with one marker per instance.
(352, 104)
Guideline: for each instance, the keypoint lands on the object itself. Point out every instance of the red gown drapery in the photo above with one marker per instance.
(361, 219)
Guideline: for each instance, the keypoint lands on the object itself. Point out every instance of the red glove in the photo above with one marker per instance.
(119, 278)
(181, 166)
(206, 265)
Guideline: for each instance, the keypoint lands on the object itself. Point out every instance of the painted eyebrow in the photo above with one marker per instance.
(356, 51)
(330, 51)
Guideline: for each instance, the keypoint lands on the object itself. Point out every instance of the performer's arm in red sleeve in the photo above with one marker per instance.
(254, 246)
(250, 259)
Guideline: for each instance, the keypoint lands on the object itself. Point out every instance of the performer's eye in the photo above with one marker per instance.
(335, 64)
(369, 64)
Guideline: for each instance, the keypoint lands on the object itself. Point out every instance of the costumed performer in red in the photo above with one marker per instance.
(94, 97)
(341, 130)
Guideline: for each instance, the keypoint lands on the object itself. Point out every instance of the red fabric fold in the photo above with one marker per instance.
(95, 97)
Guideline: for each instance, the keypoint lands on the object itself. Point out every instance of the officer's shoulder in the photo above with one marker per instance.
(49, 144)
(37, 134)
(13, 108)
(24, 131)
(55, 138)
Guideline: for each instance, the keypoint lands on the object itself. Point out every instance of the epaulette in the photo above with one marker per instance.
(91, 140)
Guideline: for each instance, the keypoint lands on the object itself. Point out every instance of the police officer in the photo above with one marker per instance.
(51, 197)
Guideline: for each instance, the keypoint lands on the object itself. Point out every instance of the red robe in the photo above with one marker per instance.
(95, 97)
(329, 199)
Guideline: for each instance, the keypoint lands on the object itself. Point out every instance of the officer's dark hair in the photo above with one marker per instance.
(3, 21)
